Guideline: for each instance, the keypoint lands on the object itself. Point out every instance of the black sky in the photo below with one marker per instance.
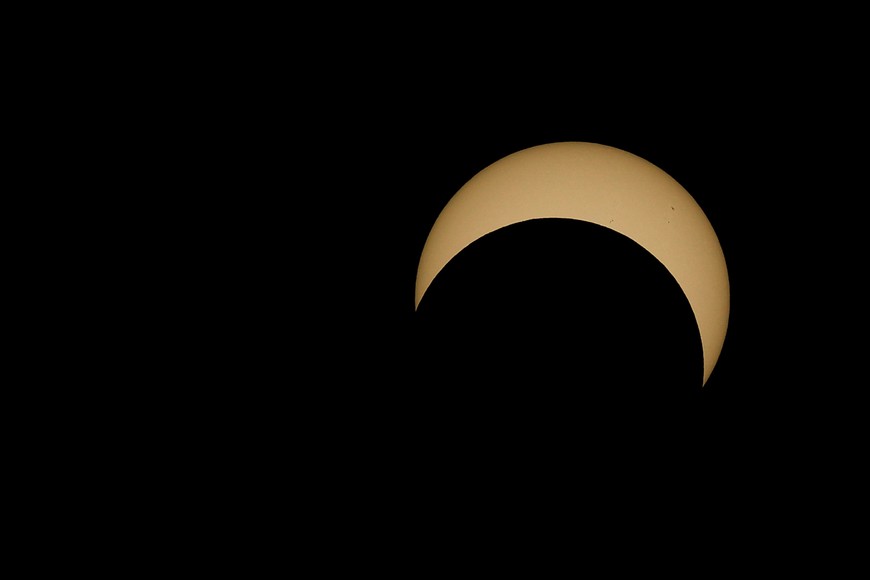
(283, 173)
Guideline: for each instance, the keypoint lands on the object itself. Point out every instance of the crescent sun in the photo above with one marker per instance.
(602, 185)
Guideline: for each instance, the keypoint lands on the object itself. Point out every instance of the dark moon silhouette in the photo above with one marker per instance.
(556, 321)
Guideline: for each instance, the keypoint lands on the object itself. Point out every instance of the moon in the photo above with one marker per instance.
(603, 185)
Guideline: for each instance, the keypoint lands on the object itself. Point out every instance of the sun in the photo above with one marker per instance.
(603, 185)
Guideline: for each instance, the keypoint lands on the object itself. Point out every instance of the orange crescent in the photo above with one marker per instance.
(603, 185)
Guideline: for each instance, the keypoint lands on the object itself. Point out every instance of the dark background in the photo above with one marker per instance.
(542, 382)
(230, 228)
